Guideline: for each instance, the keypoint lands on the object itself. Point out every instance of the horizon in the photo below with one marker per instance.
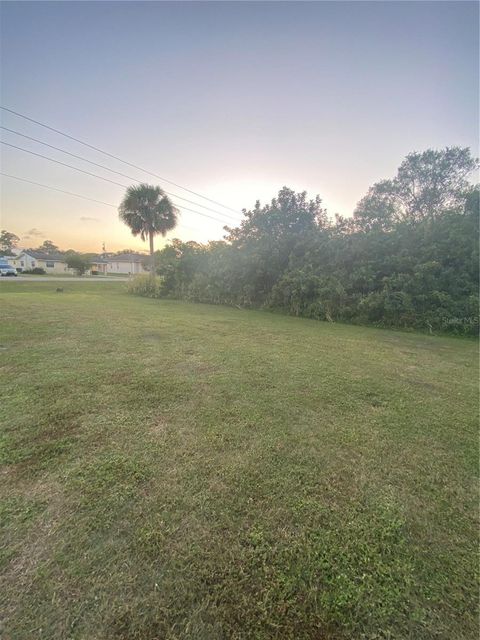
(237, 100)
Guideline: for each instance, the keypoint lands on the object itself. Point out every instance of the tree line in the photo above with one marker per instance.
(408, 257)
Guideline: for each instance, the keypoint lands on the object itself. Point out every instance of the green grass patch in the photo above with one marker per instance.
(182, 471)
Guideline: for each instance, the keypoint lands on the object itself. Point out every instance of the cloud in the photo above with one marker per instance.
(88, 219)
(33, 233)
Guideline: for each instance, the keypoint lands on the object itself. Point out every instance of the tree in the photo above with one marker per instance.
(8, 241)
(48, 247)
(378, 209)
(148, 212)
(426, 184)
(78, 262)
(288, 214)
(433, 181)
(265, 238)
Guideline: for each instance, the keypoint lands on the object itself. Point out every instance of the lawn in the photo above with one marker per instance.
(180, 471)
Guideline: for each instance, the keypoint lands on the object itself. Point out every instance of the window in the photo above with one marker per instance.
(49, 264)
(33, 263)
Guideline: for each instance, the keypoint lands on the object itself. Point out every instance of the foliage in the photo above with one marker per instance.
(148, 211)
(426, 185)
(78, 262)
(408, 257)
(111, 254)
(8, 242)
(48, 247)
(146, 286)
(36, 271)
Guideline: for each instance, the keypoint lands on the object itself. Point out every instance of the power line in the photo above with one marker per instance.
(64, 164)
(95, 175)
(46, 186)
(77, 195)
(110, 155)
(119, 173)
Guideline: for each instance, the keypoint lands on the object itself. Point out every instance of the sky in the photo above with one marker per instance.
(232, 100)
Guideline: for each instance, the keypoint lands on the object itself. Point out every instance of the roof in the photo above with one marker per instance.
(127, 257)
(41, 255)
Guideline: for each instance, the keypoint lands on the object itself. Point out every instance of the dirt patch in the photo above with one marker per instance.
(153, 337)
(194, 366)
(422, 384)
(159, 427)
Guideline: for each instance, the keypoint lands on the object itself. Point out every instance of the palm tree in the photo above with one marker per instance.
(148, 211)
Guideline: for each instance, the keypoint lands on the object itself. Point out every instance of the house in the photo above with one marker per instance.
(126, 263)
(31, 259)
(98, 265)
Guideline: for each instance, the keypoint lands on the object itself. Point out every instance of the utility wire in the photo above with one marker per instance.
(46, 186)
(119, 173)
(77, 195)
(110, 155)
(64, 164)
(95, 175)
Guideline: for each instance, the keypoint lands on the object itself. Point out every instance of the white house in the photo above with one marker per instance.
(98, 265)
(126, 263)
(31, 259)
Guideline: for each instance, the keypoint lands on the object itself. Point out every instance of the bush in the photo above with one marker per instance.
(78, 263)
(146, 286)
(420, 273)
(36, 271)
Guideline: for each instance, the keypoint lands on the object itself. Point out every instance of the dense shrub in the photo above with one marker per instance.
(398, 262)
(423, 276)
(146, 286)
(36, 271)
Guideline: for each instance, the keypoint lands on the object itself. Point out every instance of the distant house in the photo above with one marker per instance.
(126, 263)
(98, 265)
(31, 259)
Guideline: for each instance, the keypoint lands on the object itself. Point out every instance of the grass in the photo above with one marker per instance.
(179, 471)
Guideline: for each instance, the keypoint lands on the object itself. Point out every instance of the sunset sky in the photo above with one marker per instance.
(232, 100)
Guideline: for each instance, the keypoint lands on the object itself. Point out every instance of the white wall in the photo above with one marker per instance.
(22, 261)
(58, 267)
(124, 268)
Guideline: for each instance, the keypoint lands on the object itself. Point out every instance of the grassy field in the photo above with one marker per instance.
(179, 471)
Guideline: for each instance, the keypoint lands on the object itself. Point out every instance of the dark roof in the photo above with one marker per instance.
(127, 257)
(41, 255)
